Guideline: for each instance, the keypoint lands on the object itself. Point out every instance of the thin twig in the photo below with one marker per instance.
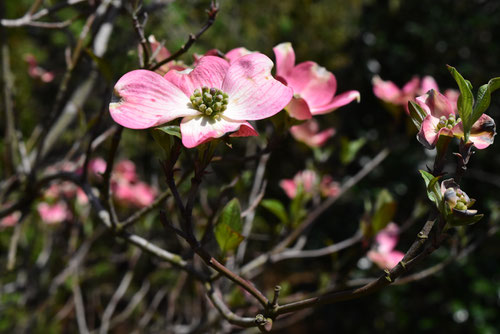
(212, 13)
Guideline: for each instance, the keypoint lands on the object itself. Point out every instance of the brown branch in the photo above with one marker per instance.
(212, 13)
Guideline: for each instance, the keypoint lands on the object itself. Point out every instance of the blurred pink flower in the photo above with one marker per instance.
(442, 119)
(234, 54)
(125, 169)
(311, 185)
(213, 99)
(54, 213)
(389, 92)
(309, 134)
(313, 86)
(36, 71)
(328, 187)
(384, 254)
(11, 219)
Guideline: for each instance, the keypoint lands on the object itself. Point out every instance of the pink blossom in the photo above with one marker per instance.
(11, 219)
(54, 213)
(311, 185)
(309, 134)
(213, 99)
(125, 169)
(234, 54)
(36, 71)
(328, 187)
(307, 179)
(161, 53)
(136, 194)
(384, 254)
(313, 86)
(442, 119)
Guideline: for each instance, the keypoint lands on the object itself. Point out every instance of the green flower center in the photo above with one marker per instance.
(209, 101)
(448, 123)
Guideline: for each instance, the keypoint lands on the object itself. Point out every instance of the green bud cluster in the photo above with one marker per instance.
(209, 101)
(462, 201)
(448, 123)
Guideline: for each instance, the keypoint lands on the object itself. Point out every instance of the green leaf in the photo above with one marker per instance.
(276, 208)
(229, 226)
(465, 101)
(432, 185)
(417, 114)
(483, 98)
(456, 220)
(173, 130)
(385, 208)
(349, 149)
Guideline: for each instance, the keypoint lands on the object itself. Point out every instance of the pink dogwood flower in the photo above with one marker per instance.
(442, 119)
(384, 255)
(313, 86)
(390, 93)
(309, 133)
(213, 99)
(54, 213)
(11, 219)
(236, 53)
(311, 185)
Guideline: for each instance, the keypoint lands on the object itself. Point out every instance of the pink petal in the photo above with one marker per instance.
(126, 169)
(308, 133)
(234, 54)
(427, 135)
(11, 219)
(298, 109)
(386, 90)
(146, 99)
(210, 72)
(436, 103)
(387, 238)
(253, 92)
(483, 132)
(285, 59)
(313, 83)
(337, 102)
(411, 87)
(246, 130)
(428, 83)
(385, 260)
(199, 129)
(289, 187)
(55, 213)
(143, 194)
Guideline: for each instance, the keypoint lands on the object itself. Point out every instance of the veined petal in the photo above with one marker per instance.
(314, 83)
(234, 54)
(437, 104)
(253, 92)
(199, 129)
(483, 132)
(285, 58)
(146, 99)
(337, 102)
(298, 109)
(427, 135)
(210, 71)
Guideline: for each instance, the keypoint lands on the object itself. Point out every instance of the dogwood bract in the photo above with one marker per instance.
(313, 86)
(214, 98)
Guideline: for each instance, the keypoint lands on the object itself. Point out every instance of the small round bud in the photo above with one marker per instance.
(209, 111)
(213, 91)
(202, 107)
(219, 98)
